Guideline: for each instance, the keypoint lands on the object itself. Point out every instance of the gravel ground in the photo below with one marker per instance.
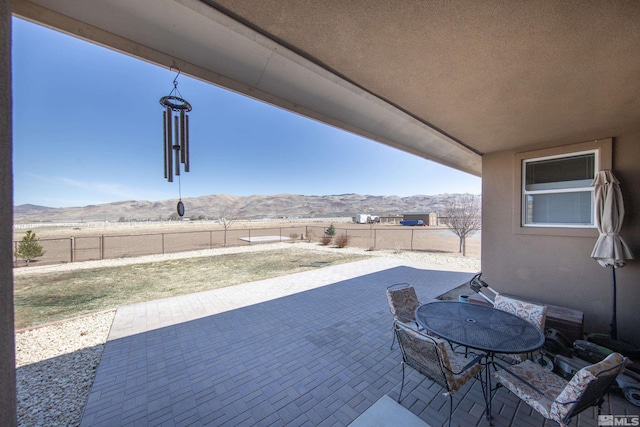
(55, 369)
(56, 363)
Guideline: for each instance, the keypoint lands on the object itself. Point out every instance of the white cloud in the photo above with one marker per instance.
(102, 189)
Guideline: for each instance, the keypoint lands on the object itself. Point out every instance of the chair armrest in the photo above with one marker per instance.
(474, 361)
(403, 319)
(533, 387)
(407, 321)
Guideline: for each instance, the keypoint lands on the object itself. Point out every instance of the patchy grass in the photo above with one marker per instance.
(48, 297)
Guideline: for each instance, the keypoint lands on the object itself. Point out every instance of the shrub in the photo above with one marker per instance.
(326, 239)
(342, 240)
(293, 237)
(331, 231)
(309, 235)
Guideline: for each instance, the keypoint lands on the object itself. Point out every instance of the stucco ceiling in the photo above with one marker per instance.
(446, 80)
(493, 74)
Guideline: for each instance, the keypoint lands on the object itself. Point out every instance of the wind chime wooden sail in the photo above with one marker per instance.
(176, 135)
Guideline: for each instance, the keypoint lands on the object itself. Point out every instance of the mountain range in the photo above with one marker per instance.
(242, 207)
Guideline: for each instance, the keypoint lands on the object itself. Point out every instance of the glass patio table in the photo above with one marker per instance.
(483, 328)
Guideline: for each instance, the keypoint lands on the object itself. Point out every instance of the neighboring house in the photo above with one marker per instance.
(489, 88)
(430, 219)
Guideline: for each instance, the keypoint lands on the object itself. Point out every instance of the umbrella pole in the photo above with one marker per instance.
(613, 327)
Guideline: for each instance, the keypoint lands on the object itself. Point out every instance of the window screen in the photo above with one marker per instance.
(557, 191)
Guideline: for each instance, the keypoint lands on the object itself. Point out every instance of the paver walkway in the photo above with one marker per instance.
(306, 349)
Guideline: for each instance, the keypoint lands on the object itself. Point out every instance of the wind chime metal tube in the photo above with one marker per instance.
(183, 151)
(186, 143)
(176, 144)
(164, 144)
(168, 146)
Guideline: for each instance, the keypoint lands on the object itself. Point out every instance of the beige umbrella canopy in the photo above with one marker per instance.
(610, 249)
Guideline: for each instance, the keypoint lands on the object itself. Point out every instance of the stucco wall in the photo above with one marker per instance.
(558, 269)
(7, 358)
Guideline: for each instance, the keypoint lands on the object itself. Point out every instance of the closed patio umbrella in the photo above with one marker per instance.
(610, 249)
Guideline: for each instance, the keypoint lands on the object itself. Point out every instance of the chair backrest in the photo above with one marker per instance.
(531, 312)
(587, 387)
(403, 301)
(422, 352)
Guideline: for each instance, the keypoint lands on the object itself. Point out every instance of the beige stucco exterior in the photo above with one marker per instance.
(7, 346)
(555, 267)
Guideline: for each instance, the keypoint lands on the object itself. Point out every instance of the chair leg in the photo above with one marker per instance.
(393, 340)
(401, 384)
(601, 402)
(450, 408)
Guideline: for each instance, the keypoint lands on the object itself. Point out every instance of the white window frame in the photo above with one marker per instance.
(576, 189)
(604, 147)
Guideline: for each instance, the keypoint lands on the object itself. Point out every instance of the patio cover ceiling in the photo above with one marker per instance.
(445, 80)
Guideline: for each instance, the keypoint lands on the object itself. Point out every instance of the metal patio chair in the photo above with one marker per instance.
(435, 359)
(403, 303)
(533, 313)
(556, 398)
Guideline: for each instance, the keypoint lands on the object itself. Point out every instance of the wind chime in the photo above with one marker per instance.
(176, 136)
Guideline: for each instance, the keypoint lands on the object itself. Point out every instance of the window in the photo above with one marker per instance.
(557, 191)
(552, 194)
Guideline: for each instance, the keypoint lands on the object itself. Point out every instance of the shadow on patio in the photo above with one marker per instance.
(318, 358)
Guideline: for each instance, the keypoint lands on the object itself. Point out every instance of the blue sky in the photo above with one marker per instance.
(88, 130)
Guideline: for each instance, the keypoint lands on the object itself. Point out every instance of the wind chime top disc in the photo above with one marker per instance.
(175, 103)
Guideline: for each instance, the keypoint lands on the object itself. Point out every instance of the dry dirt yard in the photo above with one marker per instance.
(92, 229)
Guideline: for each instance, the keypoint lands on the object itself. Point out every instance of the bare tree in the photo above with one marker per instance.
(227, 216)
(463, 218)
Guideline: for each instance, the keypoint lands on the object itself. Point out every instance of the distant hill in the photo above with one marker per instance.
(247, 207)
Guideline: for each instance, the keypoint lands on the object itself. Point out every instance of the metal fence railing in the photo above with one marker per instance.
(89, 248)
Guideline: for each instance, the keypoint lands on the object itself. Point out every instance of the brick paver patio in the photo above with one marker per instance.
(309, 349)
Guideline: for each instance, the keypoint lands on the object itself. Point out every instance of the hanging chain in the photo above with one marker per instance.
(175, 91)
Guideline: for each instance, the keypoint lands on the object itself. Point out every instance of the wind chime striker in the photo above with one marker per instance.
(176, 135)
